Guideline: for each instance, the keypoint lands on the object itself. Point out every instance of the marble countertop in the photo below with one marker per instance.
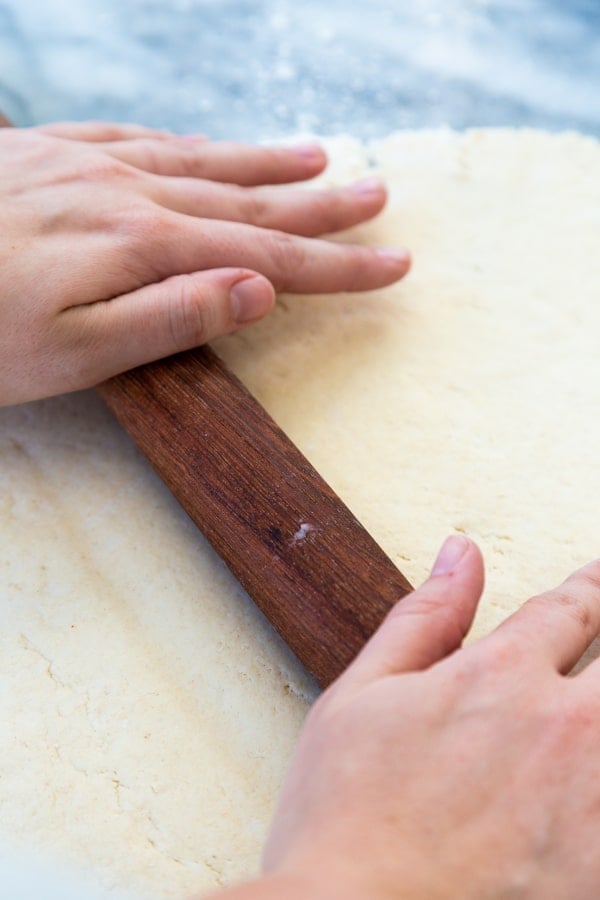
(255, 69)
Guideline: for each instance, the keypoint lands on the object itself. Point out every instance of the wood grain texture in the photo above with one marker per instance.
(312, 568)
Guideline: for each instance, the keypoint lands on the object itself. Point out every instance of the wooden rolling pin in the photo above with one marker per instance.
(312, 568)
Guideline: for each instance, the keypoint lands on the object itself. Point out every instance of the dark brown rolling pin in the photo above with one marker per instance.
(302, 556)
(311, 567)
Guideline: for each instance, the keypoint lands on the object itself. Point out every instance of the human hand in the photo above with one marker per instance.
(120, 245)
(429, 771)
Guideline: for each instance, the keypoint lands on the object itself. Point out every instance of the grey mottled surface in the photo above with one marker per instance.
(252, 69)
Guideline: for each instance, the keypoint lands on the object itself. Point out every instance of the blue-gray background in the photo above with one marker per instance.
(251, 69)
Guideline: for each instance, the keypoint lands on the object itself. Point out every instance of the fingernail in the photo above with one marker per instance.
(308, 151)
(368, 187)
(394, 254)
(251, 298)
(453, 550)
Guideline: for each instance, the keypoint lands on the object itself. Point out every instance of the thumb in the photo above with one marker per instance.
(430, 623)
(160, 319)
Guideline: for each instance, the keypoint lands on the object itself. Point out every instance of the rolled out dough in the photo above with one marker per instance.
(148, 710)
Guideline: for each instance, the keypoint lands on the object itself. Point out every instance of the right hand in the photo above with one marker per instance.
(430, 771)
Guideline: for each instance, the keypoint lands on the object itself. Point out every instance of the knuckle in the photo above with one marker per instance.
(327, 209)
(138, 223)
(356, 264)
(110, 132)
(93, 167)
(427, 604)
(274, 159)
(162, 157)
(416, 604)
(37, 152)
(287, 254)
(572, 604)
(503, 655)
(189, 316)
(590, 575)
(569, 717)
(79, 348)
(495, 658)
(254, 207)
(140, 234)
(131, 131)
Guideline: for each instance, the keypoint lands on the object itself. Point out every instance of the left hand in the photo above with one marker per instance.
(120, 245)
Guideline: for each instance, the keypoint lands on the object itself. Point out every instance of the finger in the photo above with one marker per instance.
(169, 243)
(429, 624)
(308, 213)
(102, 132)
(556, 627)
(164, 318)
(233, 163)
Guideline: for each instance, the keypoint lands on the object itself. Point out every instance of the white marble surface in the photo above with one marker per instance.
(252, 69)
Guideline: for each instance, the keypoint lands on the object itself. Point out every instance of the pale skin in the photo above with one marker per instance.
(120, 245)
(428, 770)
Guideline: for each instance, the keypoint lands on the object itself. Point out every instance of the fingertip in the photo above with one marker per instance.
(371, 194)
(251, 297)
(450, 555)
(311, 155)
(460, 556)
(173, 315)
(397, 259)
(369, 188)
(429, 623)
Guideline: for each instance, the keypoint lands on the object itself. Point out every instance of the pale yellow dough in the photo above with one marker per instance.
(147, 710)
